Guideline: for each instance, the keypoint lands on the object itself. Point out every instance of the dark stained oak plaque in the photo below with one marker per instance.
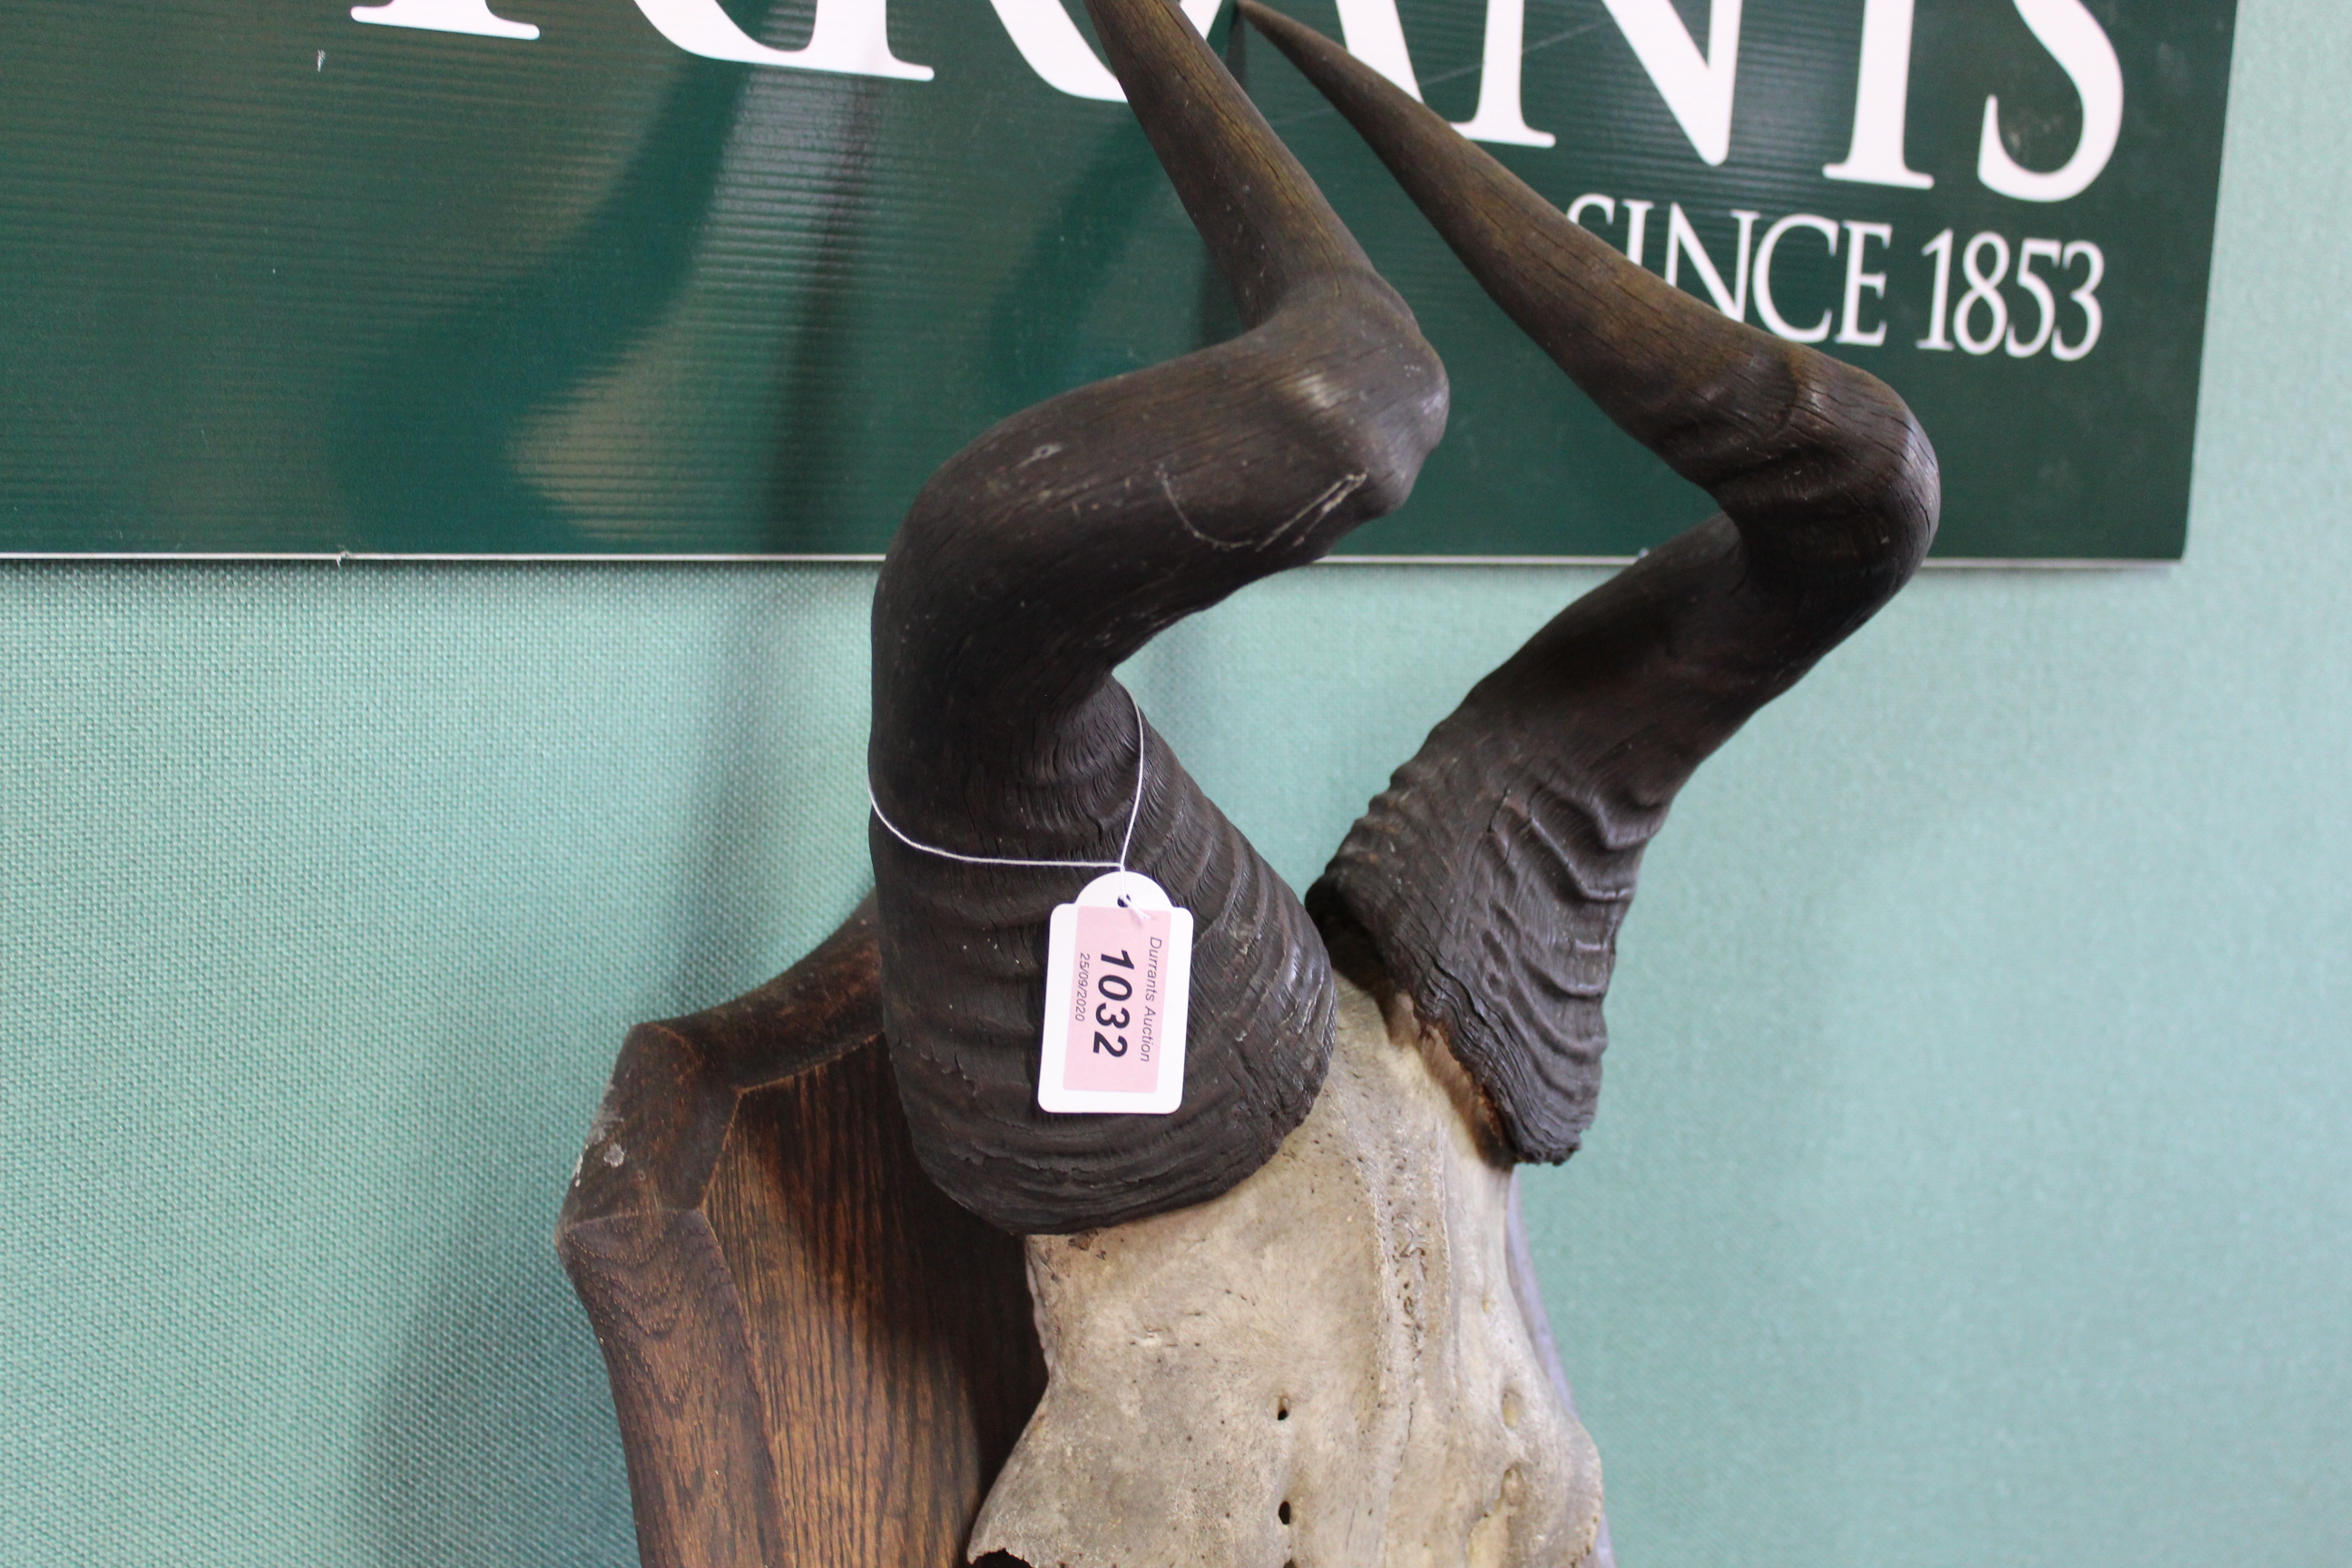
(817, 1359)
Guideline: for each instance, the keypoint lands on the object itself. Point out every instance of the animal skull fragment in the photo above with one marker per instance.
(1326, 1365)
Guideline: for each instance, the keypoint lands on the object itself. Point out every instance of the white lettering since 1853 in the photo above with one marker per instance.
(2059, 279)
(1970, 283)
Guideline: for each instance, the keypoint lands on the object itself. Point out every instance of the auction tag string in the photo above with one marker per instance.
(1133, 811)
(1119, 978)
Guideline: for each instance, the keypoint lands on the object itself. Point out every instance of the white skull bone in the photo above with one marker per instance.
(1326, 1367)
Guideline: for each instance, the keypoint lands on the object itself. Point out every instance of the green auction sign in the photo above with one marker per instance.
(680, 276)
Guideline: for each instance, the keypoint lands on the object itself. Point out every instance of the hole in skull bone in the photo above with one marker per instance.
(1281, 1408)
(1283, 1513)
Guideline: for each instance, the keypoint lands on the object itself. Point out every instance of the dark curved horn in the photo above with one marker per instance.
(1488, 881)
(1031, 563)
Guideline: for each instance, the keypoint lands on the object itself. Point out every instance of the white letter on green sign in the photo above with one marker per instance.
(1698, 90)
(1042, 30)
(2080, 46)
(1882, 100)
(849, 35)
(444, 16)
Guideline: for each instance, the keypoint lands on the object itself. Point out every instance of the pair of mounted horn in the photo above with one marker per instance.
(1288, 1324)
(1487, 883)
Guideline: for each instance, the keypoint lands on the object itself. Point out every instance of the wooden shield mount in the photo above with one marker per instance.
(816, 1358)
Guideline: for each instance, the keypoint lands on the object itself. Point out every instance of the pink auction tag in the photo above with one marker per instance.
(1118, 976)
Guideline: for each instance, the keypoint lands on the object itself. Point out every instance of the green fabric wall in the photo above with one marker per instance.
(1972, 1182)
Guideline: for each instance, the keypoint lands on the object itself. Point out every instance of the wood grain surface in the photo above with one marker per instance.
(816, 1359)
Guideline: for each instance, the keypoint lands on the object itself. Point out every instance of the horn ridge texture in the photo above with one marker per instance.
(1033, 562)
(1490, 880)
